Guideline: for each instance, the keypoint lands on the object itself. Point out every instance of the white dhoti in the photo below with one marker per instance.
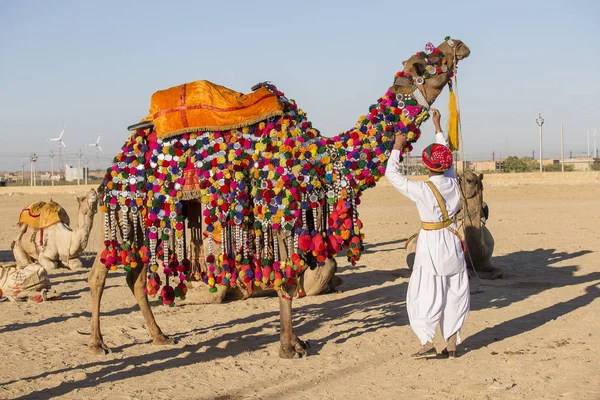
(433, 300)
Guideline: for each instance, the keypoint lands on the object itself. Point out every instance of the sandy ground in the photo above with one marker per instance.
(531, 335)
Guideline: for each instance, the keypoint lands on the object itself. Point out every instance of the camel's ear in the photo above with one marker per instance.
(480, 177)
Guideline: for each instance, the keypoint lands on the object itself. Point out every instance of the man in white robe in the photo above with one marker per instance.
(438, 290)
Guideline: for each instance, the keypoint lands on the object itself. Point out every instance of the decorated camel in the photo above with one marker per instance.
(471, 221)
(282, 198)
(45, 234)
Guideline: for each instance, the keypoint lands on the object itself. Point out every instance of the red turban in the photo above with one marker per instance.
(437, 157)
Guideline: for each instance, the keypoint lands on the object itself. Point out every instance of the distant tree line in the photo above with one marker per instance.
(528, 164)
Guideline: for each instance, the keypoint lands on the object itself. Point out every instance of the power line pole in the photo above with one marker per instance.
(571, 154)
(562, 148)
(85, 170)
(533, 154)
(540, 122)
(78, 165)
(33, 158)
(493, 156)
(52, 167)
(23, 176)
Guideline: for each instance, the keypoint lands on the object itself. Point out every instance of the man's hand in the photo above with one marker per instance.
(436, 119)
(400, 141)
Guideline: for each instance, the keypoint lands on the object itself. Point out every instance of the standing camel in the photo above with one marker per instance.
(285, 196)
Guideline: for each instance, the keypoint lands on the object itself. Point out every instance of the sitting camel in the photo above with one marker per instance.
(312, 282)
(478, 240)
(285, 196)
(46, 237)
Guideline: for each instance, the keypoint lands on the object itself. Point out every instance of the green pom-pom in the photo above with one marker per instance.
(212, 289)
(127, 268)
(447, 38)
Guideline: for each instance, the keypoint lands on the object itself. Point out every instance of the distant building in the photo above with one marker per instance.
(73, 173)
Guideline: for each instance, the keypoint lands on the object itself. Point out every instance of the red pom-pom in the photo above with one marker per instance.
(104, 256)
(168, 295)
(318, 244)
(304, 242)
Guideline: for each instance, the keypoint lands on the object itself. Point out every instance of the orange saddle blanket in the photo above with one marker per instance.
(205, 106)
(41, 215)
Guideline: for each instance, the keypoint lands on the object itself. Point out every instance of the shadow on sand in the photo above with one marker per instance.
(528, 273)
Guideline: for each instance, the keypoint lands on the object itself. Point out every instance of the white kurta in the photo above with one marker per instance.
(438, 291)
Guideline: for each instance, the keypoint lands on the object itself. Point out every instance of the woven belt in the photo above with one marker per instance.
(434, 226)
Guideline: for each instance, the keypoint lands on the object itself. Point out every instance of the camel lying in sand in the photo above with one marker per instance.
(46, 237)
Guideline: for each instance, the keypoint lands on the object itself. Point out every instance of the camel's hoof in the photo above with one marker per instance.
(163, 340)
(98, 349)
(297, 349)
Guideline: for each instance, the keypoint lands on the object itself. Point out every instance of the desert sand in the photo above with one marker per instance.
(532, 335)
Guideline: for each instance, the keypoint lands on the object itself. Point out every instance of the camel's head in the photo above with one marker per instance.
(88, 205)
(471, 184)
(429, 71)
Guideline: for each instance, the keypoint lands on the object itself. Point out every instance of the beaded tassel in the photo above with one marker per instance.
(125, 223)
(304, 210)
(134, 219)
(107, 231)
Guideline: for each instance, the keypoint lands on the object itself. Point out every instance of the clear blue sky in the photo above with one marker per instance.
(93, 66)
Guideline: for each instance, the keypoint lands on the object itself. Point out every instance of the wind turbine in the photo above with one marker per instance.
(98, 150)
(61, 144)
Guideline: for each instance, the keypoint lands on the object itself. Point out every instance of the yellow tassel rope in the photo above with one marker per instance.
(453, 118)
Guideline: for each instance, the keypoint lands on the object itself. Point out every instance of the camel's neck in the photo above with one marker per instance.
(364, 150)
(472, 206)
(81, 234)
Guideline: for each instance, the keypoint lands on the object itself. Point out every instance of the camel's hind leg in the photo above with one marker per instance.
(96, 280)
(290, 346)
(136, 279)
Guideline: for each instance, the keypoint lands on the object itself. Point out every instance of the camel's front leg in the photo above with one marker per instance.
(75, 264)
(21, 256)
(136, 279)
(47, 263)
(290, 346)
(96, 280)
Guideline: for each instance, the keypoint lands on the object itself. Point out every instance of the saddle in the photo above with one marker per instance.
(41, 215)
(205, 106)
